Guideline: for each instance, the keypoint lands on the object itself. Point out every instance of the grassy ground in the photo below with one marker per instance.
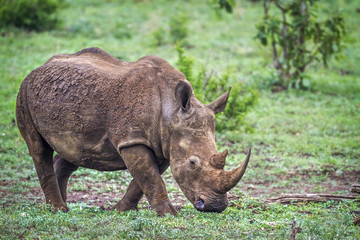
(303, 142)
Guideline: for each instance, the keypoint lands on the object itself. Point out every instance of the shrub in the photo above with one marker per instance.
(208, 87)
(159, 37)
(298, 37)
(179, 27)
(29, 14)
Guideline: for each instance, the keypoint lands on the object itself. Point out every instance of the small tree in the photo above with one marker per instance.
(299, 37)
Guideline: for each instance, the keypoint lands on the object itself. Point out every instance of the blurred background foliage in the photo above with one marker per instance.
(29, 14)
(215, 50)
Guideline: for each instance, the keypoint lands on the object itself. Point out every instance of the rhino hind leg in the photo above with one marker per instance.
(41, 152)
(134, 193)
(141, 163)
(42, 155)
(63, 170)
(131, 199)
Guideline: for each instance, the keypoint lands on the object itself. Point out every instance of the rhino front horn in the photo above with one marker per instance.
(228, 179)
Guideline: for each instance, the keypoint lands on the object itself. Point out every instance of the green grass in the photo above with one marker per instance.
(248, 219)
(303, 142)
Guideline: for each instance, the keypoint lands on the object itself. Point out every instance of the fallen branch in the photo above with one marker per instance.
(294, 198)
(355, 188)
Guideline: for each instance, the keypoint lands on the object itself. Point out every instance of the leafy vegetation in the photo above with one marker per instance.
(29, 14)
(303, 142)
(179, 27)
(302, 35)
(208, 87)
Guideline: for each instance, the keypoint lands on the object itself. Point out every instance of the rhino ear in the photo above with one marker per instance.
(219, 104)
(182, 94)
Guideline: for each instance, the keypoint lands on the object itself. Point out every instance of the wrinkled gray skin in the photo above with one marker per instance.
(102, 113)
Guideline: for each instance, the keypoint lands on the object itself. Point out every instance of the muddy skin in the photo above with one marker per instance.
(102, 113)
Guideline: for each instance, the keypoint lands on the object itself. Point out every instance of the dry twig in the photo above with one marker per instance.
(294, 230)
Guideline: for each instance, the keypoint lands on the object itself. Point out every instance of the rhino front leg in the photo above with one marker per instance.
(134, 193)
(141, 164)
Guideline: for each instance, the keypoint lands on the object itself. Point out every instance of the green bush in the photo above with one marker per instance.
(298, 36)
(179, 27)
(159, 37)
(29, 14)
(208, 87)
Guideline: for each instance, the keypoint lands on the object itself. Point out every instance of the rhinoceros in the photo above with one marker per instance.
(96, 111)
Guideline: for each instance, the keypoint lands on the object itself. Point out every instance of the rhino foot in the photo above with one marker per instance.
(164, 208)
(122, 206)
(63, 208)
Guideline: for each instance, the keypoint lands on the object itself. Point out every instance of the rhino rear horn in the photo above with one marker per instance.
(219, 104)
(182, 94)
(218, 160)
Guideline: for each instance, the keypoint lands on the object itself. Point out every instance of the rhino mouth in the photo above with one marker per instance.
(199, 205)
(210, 205)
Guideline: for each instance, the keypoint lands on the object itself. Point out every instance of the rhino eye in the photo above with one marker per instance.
(194, 161)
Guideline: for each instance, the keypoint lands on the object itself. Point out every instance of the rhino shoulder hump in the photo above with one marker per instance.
(93, 51)
(160, 63)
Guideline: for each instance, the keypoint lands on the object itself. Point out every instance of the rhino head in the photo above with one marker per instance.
(197, 166)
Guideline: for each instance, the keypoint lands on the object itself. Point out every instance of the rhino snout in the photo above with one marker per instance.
(199, 205)
(216, 204)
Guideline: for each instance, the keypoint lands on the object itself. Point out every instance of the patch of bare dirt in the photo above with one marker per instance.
(300, 183)
(6, 183)
(93, 195)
